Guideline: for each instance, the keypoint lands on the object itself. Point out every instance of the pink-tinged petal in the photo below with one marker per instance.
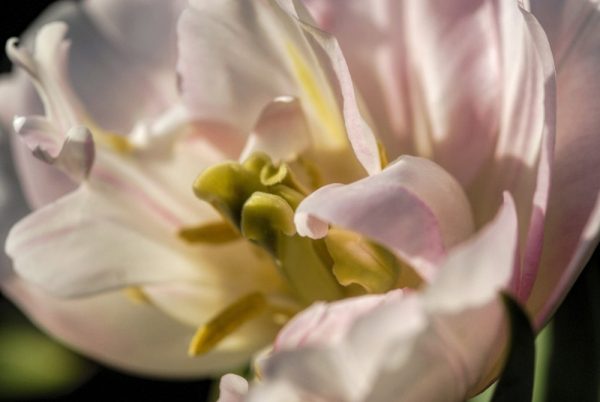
(359, 133)
(230, 83)
(41, 183)
(446, 361)
(413, 207)
(420, 347)
(129, 47)
(465, 318)
(281, 132)
(111, 328)
(313, 374)
(278, 53)
(324, 323)
(483, 108)
(522, 160)
(281, 391)
(588, 241)
(477, 269)
(573, 30)
(46, 66)
(12, 204)
(131, 59)
(56, 139)
(232, 388)
(122, 246)
(143, 29)
(129, 212)
(74, 156)
(431, 92)
(160, 184)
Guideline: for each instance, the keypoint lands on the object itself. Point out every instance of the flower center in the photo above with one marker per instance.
(257, 200)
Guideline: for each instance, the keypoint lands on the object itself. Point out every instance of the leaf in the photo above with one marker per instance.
(516, 381)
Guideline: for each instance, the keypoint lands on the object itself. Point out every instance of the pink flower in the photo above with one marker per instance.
(463, 135)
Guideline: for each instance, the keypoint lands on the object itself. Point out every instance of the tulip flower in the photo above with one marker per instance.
(411, 157)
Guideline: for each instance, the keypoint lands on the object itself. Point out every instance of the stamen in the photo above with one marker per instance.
(227, 187)
(291, 196)
(309, 275)
(210, 233)
(209, 335)
(312, 171)
(264, 217)
(259, 199)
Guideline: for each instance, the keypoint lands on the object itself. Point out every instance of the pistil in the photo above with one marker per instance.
(257, 200)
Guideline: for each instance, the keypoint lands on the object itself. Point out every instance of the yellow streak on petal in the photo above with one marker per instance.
(210, 233)
(116, 142)
(226, 322)
(326, 112)
(383, 156)
(137, 295)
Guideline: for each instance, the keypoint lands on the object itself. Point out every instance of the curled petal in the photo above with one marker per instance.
(281, 132)
(46, 67)
(413, 207)
(75, 156)
(232, 388)
(328, 323)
